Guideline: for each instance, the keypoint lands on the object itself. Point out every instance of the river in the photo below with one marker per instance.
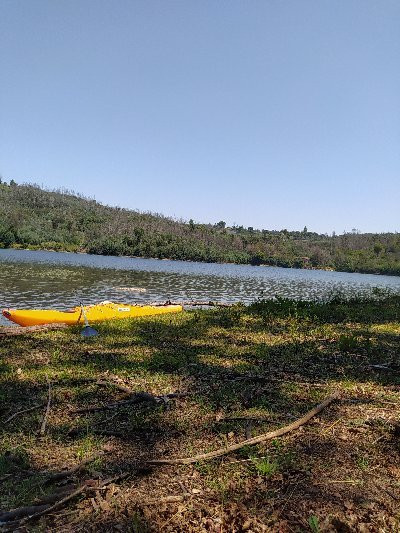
(40, 279)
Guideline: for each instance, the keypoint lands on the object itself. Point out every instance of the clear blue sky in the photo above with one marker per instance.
(273, 113)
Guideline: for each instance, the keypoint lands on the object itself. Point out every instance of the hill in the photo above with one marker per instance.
(31, 217)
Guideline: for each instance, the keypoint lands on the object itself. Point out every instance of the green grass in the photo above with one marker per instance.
(274, 360)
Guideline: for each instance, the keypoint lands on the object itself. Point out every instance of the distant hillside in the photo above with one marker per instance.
(31, 217)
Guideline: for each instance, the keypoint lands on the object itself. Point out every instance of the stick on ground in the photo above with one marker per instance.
(64, 474)
(43, 504)
(119, 386)
(28, 410)
(255, 440)
(138, 397)
(41, 510)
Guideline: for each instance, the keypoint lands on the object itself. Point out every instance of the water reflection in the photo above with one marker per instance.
(60, 280)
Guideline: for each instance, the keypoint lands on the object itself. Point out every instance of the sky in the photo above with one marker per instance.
(272, 114)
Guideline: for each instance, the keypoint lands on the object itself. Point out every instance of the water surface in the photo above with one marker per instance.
(36, 279)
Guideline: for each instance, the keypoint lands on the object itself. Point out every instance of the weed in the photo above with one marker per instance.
(314, 524)
(348, 343)
(265, 466)
(137, 524)
(87, 446)
(362, 462)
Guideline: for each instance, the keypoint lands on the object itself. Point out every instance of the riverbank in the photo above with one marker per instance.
(236, 373)
(278, 263)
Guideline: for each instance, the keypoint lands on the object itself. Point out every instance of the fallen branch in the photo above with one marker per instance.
(10, 331)
(28, 410)
(46, 413)
(136, 398)
(244, 418)
(255, 440)
(59, 492)
(41, 510)
(64, 474)
(385, 368)
(21, 512)
(113, 382)
(139, 397)
(119, 386)
(42, 505)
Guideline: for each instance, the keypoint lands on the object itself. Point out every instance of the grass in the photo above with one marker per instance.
(273, 360)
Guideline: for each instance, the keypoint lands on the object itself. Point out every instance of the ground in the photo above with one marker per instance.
(242, 371)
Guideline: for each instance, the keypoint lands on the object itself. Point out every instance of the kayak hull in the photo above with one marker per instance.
(94, 313)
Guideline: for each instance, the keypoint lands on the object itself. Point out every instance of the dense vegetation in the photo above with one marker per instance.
(31, 217)
(243, 372)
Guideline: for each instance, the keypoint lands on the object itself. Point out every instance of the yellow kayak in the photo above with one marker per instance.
(94, 313)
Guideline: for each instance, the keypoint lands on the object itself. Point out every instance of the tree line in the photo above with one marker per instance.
(34, 218)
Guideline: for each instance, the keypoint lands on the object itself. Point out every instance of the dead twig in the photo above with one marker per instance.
(244, 418)
(139, 397)
(255, 440)
(385, 367)
(64, 474)
(113, 382)
(28, 410)
(57, 494)
(119, 386)
(46, 413)
(136, 398)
